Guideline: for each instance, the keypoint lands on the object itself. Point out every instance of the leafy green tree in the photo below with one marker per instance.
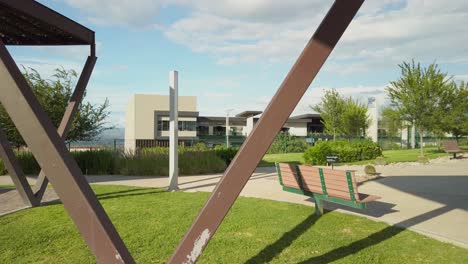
(420, 95)
(354, 118)
(455, 116)
(391, 121)
(331, 110)
(54, 95)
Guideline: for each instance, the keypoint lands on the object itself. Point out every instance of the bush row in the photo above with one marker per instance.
(285, 143)
(154, 161)
(347, 151)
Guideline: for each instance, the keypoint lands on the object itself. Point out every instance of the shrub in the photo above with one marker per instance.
(153, 163)
(285, 143)
(225, 153)
(347, 151)
(370, 170)
(96, 161)
(27, 162)
(316, 155)
(3, 170)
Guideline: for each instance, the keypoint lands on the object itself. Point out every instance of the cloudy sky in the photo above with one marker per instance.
(234, 54)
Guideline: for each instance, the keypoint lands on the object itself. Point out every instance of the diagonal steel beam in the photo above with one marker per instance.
(68, 117)
(276, 114)
(64, 174)
(16, 173)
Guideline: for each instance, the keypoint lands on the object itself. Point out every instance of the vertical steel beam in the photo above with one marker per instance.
(15, 171)
(64, 174)
(276, 114)
(68, 117)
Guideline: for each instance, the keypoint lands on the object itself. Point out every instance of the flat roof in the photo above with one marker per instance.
(248, 113)
(27, 22)
(305, 116)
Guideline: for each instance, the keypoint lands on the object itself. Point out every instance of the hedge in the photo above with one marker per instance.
(347, 151)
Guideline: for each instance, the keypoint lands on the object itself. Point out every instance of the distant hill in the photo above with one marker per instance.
(107, 138)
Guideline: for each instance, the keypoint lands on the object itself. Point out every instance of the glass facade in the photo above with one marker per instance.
(163, 125)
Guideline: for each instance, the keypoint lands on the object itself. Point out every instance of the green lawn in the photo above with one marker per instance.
(391, 156)
(152, 222)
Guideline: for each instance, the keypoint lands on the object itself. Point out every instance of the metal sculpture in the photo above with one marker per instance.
(26, 22)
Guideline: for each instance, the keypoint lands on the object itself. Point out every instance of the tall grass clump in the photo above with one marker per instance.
(96, 162)
(155, 162)
(3, 170)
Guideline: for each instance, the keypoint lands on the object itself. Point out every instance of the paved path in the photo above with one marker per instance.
(430, 199)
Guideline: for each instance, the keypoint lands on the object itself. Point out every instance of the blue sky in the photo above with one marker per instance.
(235, 54)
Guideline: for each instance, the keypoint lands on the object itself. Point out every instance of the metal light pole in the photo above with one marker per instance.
(173, 131)
(227, 126)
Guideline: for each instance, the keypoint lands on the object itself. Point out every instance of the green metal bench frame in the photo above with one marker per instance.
(318, 197)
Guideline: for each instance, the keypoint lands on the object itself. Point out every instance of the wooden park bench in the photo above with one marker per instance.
(323, 184)
(451, 147)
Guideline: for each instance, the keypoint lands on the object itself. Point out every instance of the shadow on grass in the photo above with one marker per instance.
(118, 194)
(375, 238)
(272, 250)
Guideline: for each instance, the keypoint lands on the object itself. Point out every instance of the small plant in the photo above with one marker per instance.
(380, 161)
(370, 170)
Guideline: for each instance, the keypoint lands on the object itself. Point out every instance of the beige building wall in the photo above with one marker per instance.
(140, 120)
(130, 125)
(297, 129)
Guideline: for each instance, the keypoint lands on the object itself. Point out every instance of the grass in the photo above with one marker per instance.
(270, 159)
(152, 222)
(391, 156)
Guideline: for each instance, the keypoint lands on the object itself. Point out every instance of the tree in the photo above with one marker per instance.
(391, 121)
(54, 95)
(331, 109)
(455, 119)
(354, 118)
(420, 95)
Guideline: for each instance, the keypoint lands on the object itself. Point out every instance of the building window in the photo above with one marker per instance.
(187, 126)
(163, 125)
(203, 131)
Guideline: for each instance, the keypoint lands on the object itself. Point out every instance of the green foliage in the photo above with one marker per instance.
(370, 170)
(455, 119)
(3, 170)
(316, 155)
(391, 121)
(285, 143)
(156, 163)
(153, 161)
(347, 151)
(331, 109)
(354, 119)
(53, 95)
(421, 96)
(225, 153)
(96, 162)
(342, 115)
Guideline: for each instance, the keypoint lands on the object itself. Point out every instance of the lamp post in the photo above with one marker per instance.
(227, 126)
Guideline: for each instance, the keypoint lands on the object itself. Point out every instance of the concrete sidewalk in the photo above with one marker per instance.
(430, 199)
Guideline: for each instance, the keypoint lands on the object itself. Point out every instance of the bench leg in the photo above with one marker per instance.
(318, 206)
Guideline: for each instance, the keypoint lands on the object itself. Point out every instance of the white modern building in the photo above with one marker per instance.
(147, 123)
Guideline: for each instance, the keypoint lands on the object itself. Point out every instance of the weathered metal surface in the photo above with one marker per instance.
(67, 119)
(52, 155)
(16, 173)
(276, 114)
(26, 22)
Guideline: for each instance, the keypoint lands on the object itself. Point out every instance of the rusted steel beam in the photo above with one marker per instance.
(67, 119)
(54, 158)
(276, 114)
(16, 173)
